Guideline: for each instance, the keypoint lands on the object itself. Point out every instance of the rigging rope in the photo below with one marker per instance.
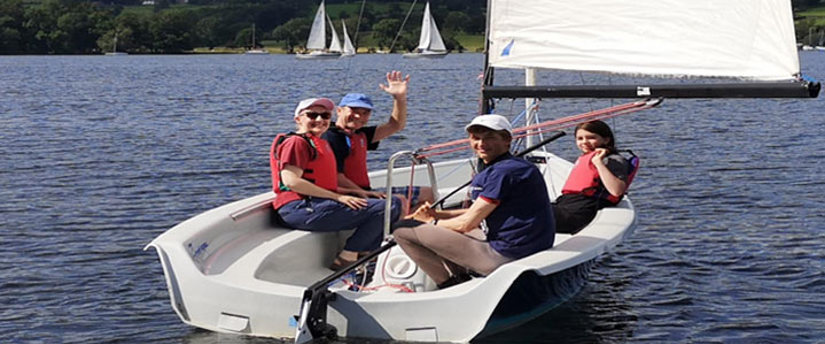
(548, 126)
(402, 25)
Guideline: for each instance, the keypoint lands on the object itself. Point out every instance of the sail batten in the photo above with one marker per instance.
(743, 39)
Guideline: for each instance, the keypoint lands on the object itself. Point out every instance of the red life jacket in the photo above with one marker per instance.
(355, 164)
(584, 178)
(320, 170)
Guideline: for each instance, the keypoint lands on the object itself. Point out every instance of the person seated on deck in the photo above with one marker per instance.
(308, 195)
(599, 178)
(510, 217)
(350, 139)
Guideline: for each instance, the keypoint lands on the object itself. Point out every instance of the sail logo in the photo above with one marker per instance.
(506, 50)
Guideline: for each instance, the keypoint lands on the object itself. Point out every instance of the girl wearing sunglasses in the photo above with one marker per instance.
(304, 177)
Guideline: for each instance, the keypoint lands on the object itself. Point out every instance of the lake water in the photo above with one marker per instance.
(102, 154)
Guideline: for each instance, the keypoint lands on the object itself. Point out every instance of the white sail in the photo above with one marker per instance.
(317, 34)
(749, 39)
(335, 43)
(349, 49)
(430, 38)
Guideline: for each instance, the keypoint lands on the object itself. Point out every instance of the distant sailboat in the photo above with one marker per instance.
(114, 51)
(349, 49)
(316, 44)
(430, 43)
(254, 50)
(810, 45)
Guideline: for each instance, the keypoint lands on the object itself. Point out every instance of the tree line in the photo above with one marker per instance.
(159, 26)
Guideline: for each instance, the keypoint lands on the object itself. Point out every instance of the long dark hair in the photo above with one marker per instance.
(602, 129)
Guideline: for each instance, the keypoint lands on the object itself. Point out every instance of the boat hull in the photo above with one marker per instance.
(425, 55)
(232, 269)
(318, 55)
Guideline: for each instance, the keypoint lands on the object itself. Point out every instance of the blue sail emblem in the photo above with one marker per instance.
(506, 51)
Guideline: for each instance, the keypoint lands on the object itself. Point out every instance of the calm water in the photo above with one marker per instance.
(102, 154)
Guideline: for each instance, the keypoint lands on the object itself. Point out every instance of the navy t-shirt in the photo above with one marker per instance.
(522, 223)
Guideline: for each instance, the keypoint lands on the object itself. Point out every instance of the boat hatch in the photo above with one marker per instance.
(232, 322)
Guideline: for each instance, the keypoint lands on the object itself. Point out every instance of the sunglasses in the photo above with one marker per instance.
(315, 115)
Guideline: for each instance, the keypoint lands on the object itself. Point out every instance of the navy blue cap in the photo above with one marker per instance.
(356, 100)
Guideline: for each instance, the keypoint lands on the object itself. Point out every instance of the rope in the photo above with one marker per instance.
(402, 25)
(548, 126)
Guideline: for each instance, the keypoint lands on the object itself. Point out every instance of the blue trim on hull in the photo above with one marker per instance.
(532, 295)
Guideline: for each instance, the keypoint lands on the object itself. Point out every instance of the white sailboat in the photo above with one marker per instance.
(231, 269)
(316, 43)
(254, 50)
(349, 49)
(810, 45)
(430, 43)
(114, 51)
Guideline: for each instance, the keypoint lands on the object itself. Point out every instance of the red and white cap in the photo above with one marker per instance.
(310, 102)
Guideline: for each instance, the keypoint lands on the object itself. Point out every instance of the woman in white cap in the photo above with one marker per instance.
(510, 205)
(304, 177)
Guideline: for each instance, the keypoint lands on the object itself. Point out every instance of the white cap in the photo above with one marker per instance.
(310, 102)
(494, 122)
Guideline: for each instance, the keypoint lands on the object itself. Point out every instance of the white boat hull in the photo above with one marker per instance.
(426, 54)
(232, 270)
(318, 55)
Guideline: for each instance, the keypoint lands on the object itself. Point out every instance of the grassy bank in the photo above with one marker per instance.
(471, 44)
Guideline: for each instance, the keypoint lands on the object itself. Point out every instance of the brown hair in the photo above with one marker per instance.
(602, 129)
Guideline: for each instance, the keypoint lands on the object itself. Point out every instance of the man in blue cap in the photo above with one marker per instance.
(350, 138)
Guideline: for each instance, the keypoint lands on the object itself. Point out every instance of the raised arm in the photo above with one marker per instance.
(397, 87)
(613, 184)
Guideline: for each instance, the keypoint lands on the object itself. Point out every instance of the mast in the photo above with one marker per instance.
(358, 25)
(487, 104)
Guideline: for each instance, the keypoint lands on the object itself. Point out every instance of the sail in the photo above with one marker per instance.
(745, 39)
(335, 43)
(436, 43)
(430, 38)
(349, 49)
(317, 34)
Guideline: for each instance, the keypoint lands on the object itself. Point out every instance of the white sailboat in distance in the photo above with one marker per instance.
(430, 43)
(316, 44)
(349, 49)
(114, 51)
(254, 50)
